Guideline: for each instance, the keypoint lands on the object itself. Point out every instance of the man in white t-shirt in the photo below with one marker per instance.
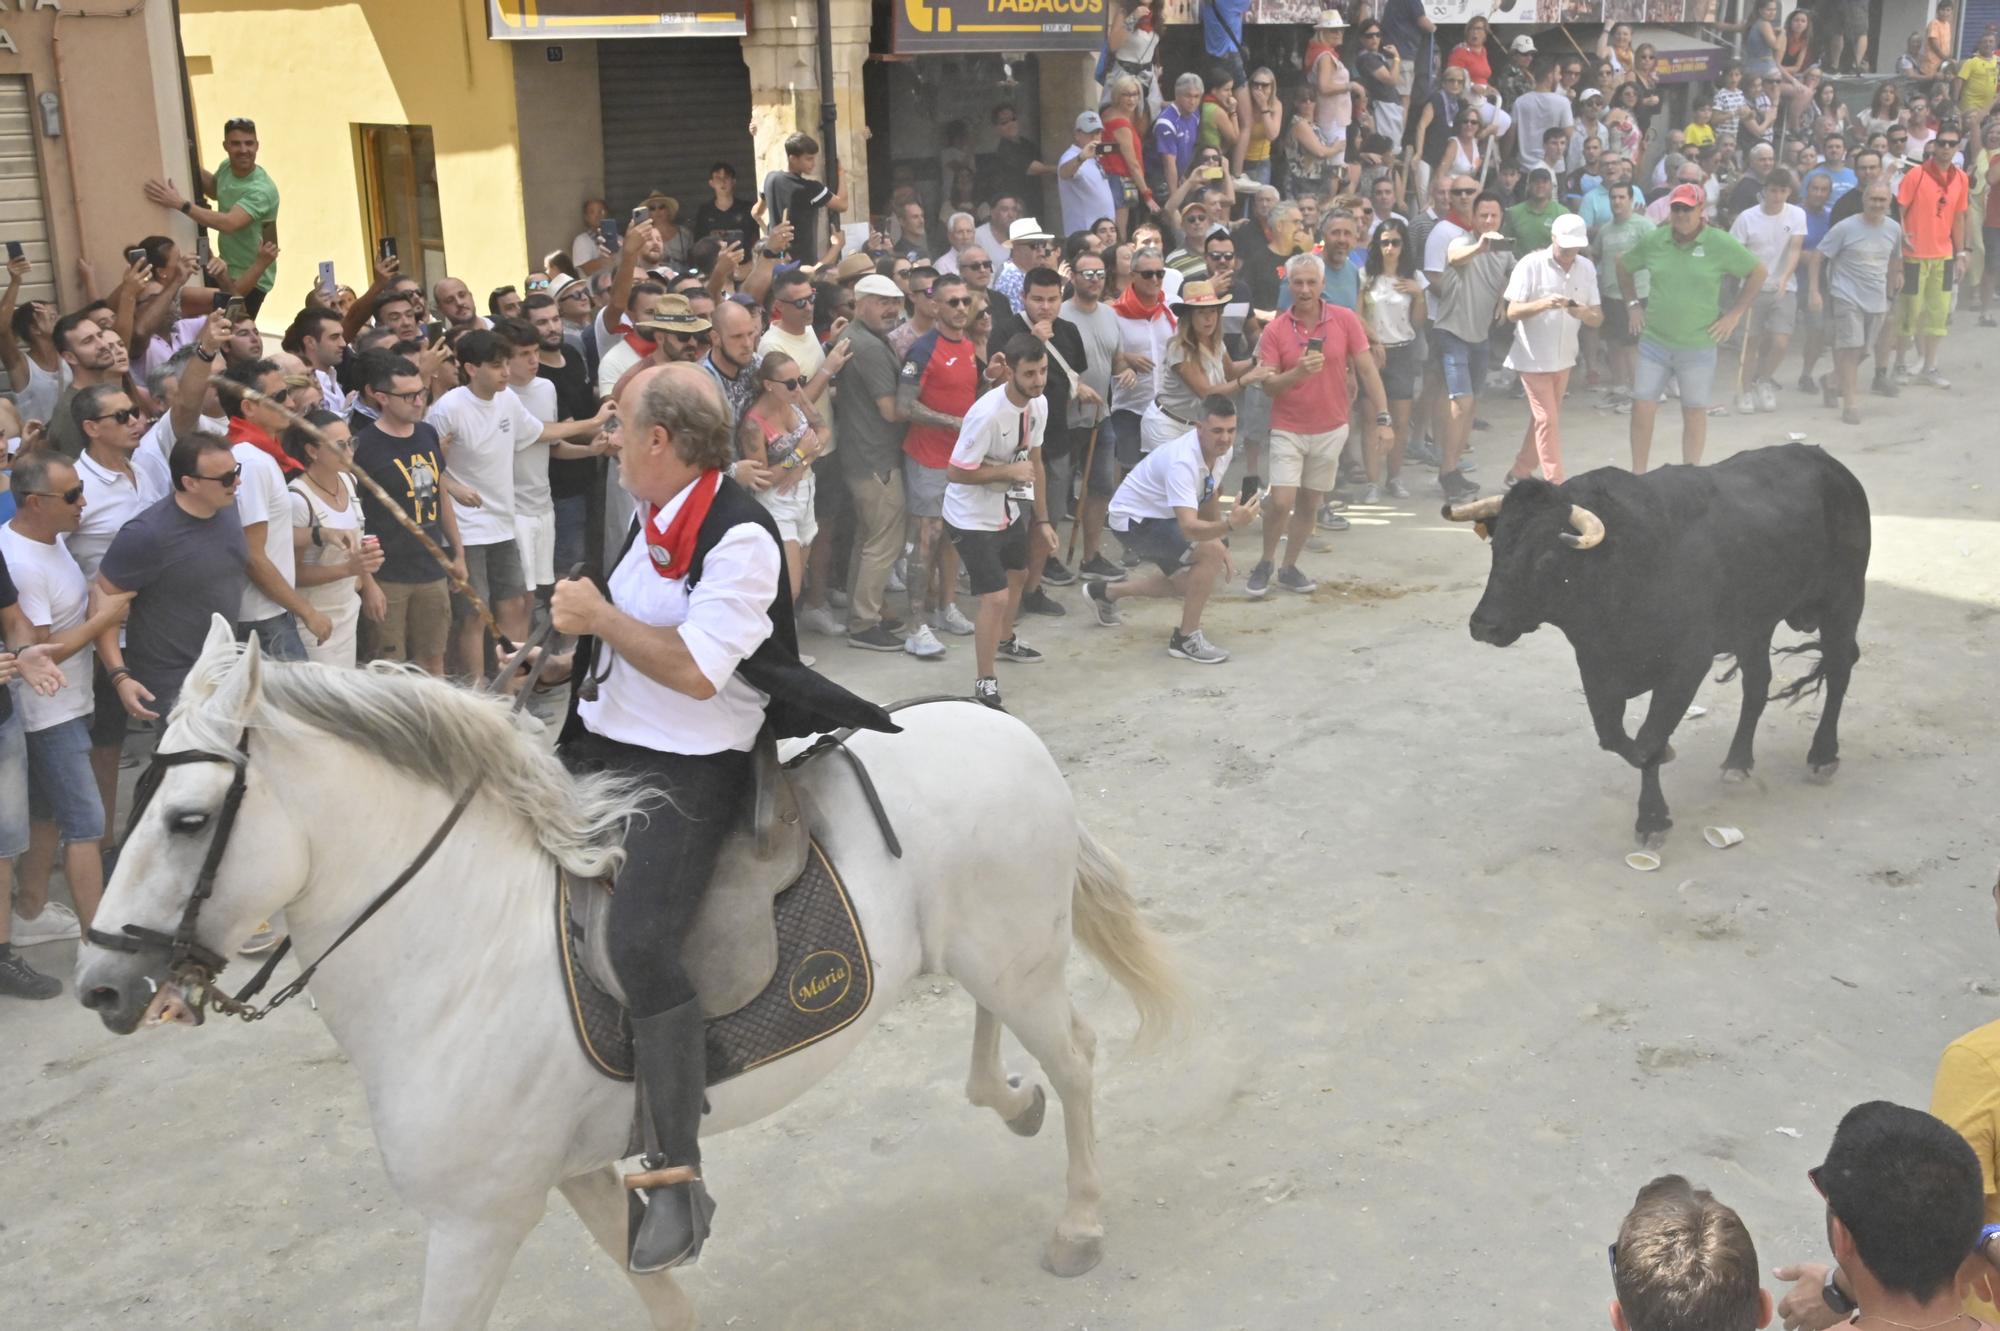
(996, 505)
(483, 426)
(1080, 179)
(534, 503)
(55, 600)
(272, 609)
(1169, 513)
(1551, 295)
(1774, 231)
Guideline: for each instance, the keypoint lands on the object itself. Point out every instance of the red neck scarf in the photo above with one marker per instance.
(243, 432)
(1130, 306)
(645, 347)
(673, 551)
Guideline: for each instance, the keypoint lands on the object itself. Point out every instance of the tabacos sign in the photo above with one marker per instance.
(999, 25)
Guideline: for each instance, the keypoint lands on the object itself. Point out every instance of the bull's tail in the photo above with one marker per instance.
(1808, 683)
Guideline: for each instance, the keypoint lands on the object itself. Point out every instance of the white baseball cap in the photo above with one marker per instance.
(1570, 232)
(1523, 45)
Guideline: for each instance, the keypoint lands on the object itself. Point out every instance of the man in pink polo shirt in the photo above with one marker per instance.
(1310, 347)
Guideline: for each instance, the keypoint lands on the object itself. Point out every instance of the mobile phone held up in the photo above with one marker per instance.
(14, 251)
(388, 246)
(137, 254)
(1316, 344)
(236, 311)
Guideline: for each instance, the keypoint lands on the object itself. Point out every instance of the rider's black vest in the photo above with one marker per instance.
(802, 701)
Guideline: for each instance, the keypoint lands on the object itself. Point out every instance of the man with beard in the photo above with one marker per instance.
(940, 381)
(1040, 319)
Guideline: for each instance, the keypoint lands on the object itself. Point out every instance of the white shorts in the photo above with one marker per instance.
(1305, 461)
(1157, 428)
(793, 510)
(535, 534)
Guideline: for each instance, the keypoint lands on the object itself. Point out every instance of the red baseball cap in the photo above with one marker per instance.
(1689, 196)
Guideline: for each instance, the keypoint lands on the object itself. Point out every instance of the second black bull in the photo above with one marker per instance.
(1652, 577)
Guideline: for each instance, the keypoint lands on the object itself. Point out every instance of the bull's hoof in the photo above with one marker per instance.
(1029, 1121)
(1821, 773)
(1654, 841)
(1069, 1258)
(1735, 776)
(1666, 754)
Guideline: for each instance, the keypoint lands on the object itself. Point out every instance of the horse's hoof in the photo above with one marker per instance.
(1735, 776)
(1029, 1121)
(1822, 773)
(1072, 1257)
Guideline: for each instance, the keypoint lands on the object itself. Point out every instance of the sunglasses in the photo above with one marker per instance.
(1222, 256)
(687, 337)
(227, 480)
(922, 291)
(123, 416)
(1150, 274)
(957, 302)
(1391, 243)
(797, 384)
(1945, 143)
(798, 302)
(1265, 86)
(1464, 191)
(985, 267)
(69, 496)
(1090, 274)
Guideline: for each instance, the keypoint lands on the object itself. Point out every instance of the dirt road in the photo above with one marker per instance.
(1448, 1034)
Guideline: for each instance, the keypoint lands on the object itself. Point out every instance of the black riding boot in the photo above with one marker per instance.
(669, 1223)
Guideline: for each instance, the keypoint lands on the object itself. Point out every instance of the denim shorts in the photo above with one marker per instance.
(13, 787)
(61, 786)
(1464, 363)
(278, 636)
(1694, 369)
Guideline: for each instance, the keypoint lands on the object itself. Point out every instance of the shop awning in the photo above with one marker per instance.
(575, 20)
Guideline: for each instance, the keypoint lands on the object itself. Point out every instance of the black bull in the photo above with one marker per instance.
(1652, 577)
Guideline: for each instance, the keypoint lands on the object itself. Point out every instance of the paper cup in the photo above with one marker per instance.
(1722, 838)
(1645, 861)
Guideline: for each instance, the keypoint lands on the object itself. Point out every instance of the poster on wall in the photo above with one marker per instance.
(1301, 13)
(998, 25)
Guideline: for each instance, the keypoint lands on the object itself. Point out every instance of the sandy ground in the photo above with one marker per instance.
(1448, 1032)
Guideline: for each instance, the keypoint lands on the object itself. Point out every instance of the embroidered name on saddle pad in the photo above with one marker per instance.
(823, 981)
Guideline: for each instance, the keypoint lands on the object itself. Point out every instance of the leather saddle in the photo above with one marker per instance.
(731, 953)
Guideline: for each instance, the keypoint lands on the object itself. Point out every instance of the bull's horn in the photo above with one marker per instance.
(1589, 528)
(1479, 510)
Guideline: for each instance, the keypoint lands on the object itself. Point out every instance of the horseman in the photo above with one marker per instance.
(695, 655)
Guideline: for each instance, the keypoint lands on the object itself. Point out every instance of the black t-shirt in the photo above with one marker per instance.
(789, 197)
(186, 570)
(575, 401)
(8, 596)
(1849, 205)
(737, 217)
(1007, 172)
(1257, 265)
(409, 470)
(1069, 344)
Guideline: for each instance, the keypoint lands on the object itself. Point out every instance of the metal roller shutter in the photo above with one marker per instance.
(23, 214)
(673, 107)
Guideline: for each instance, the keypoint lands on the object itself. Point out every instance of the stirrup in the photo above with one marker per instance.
(671, 1222)
(664, 1177)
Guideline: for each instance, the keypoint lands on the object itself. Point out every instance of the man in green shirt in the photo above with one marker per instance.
(246, 204)
(1530, 221)
(1677, 324)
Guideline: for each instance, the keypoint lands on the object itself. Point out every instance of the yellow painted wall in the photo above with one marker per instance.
(309, 71)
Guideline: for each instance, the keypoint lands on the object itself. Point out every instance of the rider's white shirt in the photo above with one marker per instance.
(725, 620)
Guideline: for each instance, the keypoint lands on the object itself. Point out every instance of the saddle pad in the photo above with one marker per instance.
(823, 982)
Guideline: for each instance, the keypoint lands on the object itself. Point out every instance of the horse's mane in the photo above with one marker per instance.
(438, 732)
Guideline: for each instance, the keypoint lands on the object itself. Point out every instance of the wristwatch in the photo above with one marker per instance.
(1837, 1298)
(1384, 418)
(187, 207)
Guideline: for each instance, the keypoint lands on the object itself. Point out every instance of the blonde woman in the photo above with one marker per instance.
(1194, 366)
(1124, 128)
(782, 430)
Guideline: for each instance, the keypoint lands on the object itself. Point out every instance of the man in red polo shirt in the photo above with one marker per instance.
(939, 381)
(1310, 347)
(1934, 198)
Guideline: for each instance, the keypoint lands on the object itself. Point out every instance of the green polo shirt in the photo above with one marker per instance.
(1687, 283)
(1530, 227)
(257, 195)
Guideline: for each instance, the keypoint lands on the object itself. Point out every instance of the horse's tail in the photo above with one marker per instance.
(1107, 922)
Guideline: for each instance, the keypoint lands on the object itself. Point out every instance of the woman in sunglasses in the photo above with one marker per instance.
(782, 430)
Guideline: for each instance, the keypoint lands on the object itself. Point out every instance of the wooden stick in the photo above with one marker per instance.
(1089, 455)
(409, 524)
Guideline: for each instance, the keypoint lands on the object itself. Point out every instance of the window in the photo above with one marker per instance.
(399, 183)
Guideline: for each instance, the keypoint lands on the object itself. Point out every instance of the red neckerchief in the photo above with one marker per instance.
(1130, 306)
(672, 551)
(643, 346)
(243, 432)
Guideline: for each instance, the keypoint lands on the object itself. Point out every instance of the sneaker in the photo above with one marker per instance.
(1128, 558)
(1884, 386)
(1902, 375)
(1849, 416)
(952, 620)
(1456, 486)
(20, 980)
(1020, 653)
(260, 942)
(892, 625)
(875, 639)
(821, 619)
(1623, 407)
(1828, 394)
(1330, 520)
(1292, 580)
(1106, 608)
(1098, 567)
(1370, 496)
(1395, 488)
(836, 598)
(1056, 573)
(1746, 404)
(1194, 647)
(1806, 384)
(1467, 462)
(988, 691)
(1933, 378)
(1260, 578)
(56, 923)
(1423, 453)
(1767, 396)
(897, 573)
(1039, 602)
(923, 644)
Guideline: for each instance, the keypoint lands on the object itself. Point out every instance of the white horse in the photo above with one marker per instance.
(447, 1002)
